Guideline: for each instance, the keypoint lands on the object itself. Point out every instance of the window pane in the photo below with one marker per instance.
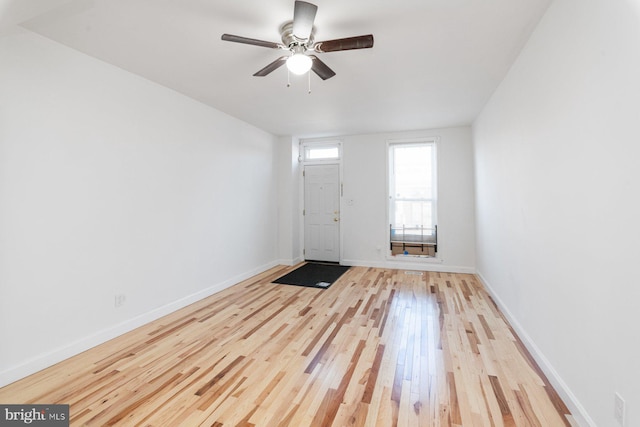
(323, 153)
(413, 174)
(412, 189)
(413, 216)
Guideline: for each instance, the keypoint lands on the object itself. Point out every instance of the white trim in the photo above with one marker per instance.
(414, 258)
(290, 261)
(577, 410)
(435, 141)
(325, 143)
(430, 138)
(52, 357)
(411, 265)
(329, 142)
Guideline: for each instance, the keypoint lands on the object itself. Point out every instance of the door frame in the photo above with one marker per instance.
(301, 195)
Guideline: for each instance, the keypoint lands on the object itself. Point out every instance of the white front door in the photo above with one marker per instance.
(322, 212)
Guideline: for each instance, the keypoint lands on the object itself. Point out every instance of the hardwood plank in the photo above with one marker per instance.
(378, 348)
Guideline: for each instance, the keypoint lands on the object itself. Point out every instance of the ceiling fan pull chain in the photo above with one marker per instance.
(288, 80)
(309, 74)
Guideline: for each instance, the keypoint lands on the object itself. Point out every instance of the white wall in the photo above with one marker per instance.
(288, 169)
(557, 184)
(364, 223)
(111, 184)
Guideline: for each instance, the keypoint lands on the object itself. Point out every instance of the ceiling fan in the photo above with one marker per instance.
(298, 38)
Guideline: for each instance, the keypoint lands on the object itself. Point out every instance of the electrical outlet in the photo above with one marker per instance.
(619, 409)
(119, 300)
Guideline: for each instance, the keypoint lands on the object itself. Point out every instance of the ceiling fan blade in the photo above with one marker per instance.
(303, 16)
(246, 40)
(273, 66)
(358, 42)
(321, 69)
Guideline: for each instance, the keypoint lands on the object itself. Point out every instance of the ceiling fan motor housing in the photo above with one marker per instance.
(289, 40)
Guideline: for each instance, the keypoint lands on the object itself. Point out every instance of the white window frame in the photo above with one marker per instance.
(307, 146)
(433, 141)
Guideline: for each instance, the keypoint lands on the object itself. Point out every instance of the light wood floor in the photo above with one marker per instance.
(378, 348)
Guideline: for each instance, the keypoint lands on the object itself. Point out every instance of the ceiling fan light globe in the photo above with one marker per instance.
(299, 63)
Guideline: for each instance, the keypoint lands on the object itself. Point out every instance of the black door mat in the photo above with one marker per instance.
(313, 275)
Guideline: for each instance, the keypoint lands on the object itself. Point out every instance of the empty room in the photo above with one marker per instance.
(290, 213)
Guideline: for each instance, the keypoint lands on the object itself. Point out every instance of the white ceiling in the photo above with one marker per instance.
(434, 63)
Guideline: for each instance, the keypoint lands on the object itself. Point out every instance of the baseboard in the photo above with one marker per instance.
(577, 410)
(290, 261)
(434, 264)
(59, 354)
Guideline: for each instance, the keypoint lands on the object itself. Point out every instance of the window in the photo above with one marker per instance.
(326, 151)
(412, 197)
(319, 153)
